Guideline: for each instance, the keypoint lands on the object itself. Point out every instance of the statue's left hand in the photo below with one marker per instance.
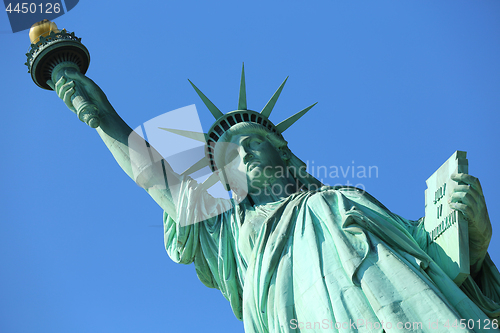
(468, 198)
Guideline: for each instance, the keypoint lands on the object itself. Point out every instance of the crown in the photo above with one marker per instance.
(223, 122)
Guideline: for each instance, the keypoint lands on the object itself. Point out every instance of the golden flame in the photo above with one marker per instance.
(42, 28)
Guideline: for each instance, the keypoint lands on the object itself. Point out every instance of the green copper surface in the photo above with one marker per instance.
(242, 100)
(213, 109)
(291, 255)
(447, 228)
(202, 137)
(285, 124)
(266, 111)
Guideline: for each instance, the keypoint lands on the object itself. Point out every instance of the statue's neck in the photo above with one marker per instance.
(274, 191)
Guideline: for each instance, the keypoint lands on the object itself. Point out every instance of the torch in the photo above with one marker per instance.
(52, 52)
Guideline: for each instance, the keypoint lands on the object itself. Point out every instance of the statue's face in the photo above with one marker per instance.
(252, 161)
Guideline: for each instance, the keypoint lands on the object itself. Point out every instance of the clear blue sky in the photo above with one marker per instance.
(400, 85)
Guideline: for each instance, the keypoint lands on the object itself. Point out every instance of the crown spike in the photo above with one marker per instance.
(210, 181)
(203, 137)
(283, 126)
(242, 101)
(213, 109)
(266, 111)
(196, 167)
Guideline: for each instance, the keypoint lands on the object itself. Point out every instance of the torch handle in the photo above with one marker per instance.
(85, 109)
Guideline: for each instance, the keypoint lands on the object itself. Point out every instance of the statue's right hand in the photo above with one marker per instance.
(65, 89)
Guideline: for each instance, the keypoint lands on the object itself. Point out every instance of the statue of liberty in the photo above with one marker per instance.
(287, 252)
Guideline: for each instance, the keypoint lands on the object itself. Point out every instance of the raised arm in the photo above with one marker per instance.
(136, 157)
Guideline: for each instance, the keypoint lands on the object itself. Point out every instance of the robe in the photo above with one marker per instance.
(329, 260)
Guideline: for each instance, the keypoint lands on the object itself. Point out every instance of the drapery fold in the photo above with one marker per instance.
(325, 258)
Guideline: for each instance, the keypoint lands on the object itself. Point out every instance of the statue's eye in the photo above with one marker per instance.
(255, 144)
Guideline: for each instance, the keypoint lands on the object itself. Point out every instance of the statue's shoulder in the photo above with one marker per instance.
(347, 190)
(353, 193)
